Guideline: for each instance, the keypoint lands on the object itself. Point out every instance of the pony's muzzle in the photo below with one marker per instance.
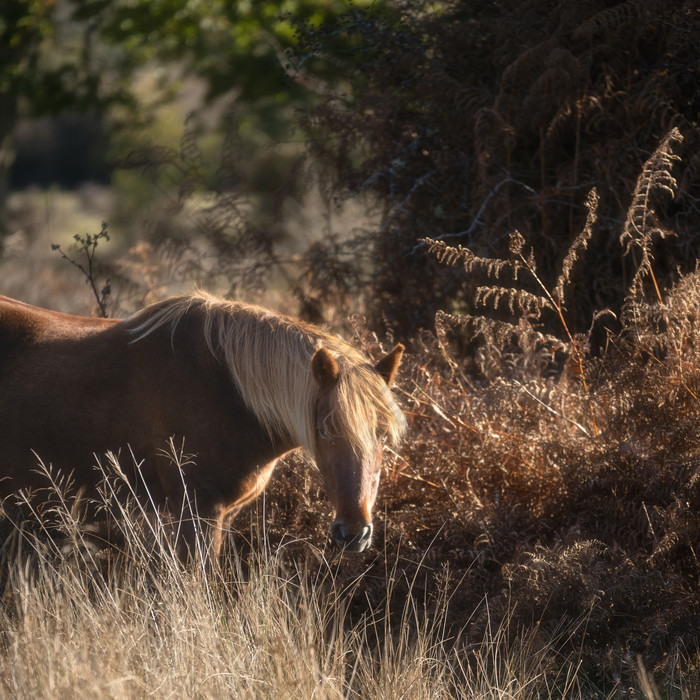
(351, 541)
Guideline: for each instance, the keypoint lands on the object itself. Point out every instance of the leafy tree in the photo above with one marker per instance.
(80, 54)
(47, 65)
(23, 27)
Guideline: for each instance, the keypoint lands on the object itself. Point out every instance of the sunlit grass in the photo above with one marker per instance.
(82, 620)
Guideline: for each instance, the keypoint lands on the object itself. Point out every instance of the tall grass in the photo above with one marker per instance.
(81, 619)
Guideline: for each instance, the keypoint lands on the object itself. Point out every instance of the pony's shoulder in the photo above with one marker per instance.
(22, 325)
(19, 324)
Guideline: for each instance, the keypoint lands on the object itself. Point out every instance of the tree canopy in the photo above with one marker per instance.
(83, 54)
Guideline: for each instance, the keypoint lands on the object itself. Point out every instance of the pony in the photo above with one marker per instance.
(241, 384)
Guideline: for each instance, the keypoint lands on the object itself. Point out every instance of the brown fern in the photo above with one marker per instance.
(458, 255)
(642, 225)
(617, 18)
(576, 249)
(518, 301)
(546, 102)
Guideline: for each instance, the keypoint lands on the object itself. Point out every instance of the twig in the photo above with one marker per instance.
(87, 245)
(550, 409)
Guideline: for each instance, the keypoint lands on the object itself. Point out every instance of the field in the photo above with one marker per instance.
(511, 190)
(536, 532)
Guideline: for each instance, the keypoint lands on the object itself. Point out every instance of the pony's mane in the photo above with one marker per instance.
(269, 358)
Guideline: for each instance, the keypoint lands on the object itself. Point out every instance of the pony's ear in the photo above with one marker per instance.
(324, 368)
(388, 365)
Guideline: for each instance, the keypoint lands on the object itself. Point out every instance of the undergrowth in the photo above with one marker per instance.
(536, 536)
(467, 119)
(81, 619)
(556, 474)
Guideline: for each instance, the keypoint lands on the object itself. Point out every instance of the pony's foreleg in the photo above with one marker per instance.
(200, 539)
(221, 515)
(192, 540)
(218, 528)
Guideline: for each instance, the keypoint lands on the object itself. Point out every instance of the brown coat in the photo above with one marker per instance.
(73, 388)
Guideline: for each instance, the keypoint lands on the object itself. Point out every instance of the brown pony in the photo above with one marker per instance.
(241, 384)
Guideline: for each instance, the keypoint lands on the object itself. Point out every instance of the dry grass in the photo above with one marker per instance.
(81, 621)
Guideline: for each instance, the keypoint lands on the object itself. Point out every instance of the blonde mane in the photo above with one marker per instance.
(269, 358)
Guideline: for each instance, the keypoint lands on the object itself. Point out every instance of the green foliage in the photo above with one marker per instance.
(24, 25)
(47, 62)
(238, 46)
(85, 55)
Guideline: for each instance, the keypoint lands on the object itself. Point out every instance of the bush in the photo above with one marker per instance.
(469, 119)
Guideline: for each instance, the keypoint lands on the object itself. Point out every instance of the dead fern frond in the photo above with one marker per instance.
(577, 248)
(561, 76)
(518, 301)
(497, 335)
(491, 129)
(447, 254)
(642, 221)
(615, 19)
(454, 255)
(521, 73)
(642, 225)
(500, 333)
(516, 248)
(516, 244)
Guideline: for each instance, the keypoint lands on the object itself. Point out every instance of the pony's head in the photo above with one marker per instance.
(354, 415)
(307, 388)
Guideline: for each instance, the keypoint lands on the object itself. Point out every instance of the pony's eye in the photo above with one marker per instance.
(324, 434)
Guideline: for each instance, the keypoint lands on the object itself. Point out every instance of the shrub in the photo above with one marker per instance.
(467, 120)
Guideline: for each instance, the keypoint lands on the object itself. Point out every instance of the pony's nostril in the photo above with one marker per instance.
(338, 532)
(356, 542)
